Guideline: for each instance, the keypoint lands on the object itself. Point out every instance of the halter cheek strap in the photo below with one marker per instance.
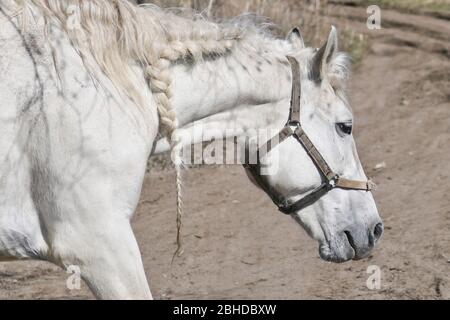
(293, 128)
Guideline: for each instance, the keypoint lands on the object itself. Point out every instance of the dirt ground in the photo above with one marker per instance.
(237, 246)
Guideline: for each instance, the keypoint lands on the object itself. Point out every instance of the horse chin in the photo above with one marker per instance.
(337, 251)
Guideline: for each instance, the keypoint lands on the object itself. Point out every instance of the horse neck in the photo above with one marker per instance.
(250, 86)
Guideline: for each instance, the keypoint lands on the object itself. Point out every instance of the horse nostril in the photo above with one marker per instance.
(378, 232)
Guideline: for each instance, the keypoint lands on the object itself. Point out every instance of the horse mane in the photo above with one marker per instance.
(116, 32)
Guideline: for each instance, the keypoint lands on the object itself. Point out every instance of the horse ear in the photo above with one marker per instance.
(323, 57)
(295, 37)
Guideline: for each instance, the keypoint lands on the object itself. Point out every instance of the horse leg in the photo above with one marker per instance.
(108, 259)
(86, 215)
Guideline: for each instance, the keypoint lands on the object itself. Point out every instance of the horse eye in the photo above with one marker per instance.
(345, 128)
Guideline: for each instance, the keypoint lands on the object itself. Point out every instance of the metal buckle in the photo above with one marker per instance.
(333, 182)
(293, 124)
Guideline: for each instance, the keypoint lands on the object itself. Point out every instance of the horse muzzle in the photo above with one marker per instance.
(351, 244)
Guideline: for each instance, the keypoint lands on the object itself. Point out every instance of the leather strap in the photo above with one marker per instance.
(306, 201)
(343, 183)
(314, 154)
(296, 90)
(275, 141)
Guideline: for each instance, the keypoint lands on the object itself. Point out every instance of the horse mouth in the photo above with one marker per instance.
(342, 249)
(351, 241)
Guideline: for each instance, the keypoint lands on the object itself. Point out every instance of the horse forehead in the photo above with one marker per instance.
(332, 102)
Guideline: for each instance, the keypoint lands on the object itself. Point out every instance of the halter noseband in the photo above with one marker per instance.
(293, 127)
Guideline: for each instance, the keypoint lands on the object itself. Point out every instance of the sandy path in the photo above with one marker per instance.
(238, 246)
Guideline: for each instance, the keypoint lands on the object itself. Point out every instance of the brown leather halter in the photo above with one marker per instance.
(293, 127)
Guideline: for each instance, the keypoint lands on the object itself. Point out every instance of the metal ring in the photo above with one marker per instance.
(294, 123)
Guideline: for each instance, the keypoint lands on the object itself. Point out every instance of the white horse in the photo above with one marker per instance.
(84, 87)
